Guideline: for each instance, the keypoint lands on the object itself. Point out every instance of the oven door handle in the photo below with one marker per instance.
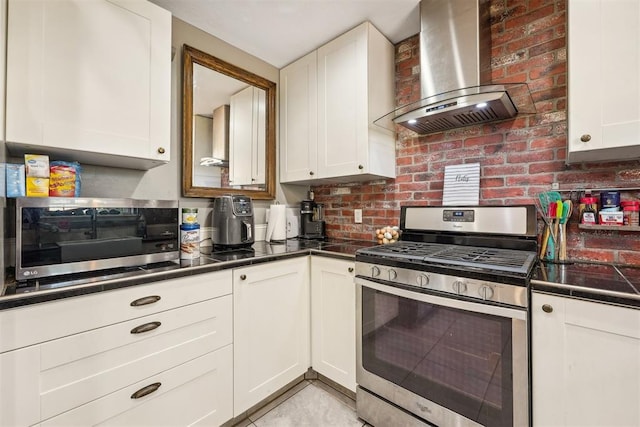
(476, 307)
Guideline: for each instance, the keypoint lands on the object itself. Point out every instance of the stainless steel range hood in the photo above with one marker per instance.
(455, 76)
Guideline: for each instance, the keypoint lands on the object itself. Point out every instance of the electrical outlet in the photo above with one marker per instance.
(357, 216)
(555, 186)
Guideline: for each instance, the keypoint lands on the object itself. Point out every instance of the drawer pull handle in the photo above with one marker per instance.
(146, 327)
(547, 308)
(243, 277)
(350, 269)
(146, 390)
(145, 300)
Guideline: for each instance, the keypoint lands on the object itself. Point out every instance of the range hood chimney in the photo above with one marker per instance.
(455, 72)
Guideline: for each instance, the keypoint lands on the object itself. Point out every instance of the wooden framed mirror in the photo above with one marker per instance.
(228, 129)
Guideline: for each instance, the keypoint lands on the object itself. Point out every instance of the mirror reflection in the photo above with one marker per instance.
(228, 129)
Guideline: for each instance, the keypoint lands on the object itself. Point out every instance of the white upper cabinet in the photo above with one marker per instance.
(299, 119)
(327, 114)
(89, 80)
(247, 137)
(604, 80)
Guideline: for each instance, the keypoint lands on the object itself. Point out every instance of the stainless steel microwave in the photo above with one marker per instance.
(58, 235)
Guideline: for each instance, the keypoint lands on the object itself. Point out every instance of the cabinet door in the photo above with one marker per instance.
(197, 392)
(24, 326)
(90, 80)
(271, 328)
(342, 105)
(247, 139)
(585, 363)
(604, 80)
(333, 320)
(19, 387)
(299, 119)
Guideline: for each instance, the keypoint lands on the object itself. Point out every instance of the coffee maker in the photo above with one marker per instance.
(312, 225)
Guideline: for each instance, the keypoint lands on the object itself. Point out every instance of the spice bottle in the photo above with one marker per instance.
(588, 215)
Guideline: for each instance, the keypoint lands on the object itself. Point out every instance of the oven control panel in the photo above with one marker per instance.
(462, 286)
(458, 215)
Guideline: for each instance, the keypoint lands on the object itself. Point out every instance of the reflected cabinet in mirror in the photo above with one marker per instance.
(228, 129)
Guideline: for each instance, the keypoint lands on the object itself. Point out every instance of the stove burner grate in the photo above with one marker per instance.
(466, 256)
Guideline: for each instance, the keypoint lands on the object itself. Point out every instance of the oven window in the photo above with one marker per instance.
(458, 359)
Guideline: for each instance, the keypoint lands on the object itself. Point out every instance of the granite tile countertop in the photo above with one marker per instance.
(21, 294)
(608, 283)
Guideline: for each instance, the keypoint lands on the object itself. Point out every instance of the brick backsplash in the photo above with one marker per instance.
(519, 158)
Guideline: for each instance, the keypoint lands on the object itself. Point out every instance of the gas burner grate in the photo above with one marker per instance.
(466, 256)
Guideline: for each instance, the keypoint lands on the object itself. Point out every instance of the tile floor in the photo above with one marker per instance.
(310, 403)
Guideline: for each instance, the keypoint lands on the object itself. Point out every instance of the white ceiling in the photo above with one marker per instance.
(281, 31)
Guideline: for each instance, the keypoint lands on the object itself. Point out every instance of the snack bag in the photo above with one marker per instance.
(64, 179)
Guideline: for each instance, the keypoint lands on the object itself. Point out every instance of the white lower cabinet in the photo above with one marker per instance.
(271, 328)
(197, 392)
(175, 351)
(585, 363)
(333, 320)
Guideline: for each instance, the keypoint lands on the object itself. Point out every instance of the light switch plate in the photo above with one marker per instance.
(357, 216)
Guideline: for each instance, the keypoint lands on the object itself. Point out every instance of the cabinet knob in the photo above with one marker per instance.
(585, 138)
(253, 180)
(350, 269)
(311, 173)
(547, 308)
(160, 150)
(243, 277)
(360, 167)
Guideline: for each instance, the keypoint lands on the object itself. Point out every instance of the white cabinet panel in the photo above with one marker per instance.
(333, 320)
(19, 388)
(86, 366)
(247, 137)
(90, 80)
(82, 358)
(197, 392)
(299, 119)
(355, 86)
(604, 80)
(36, 323)
(271, 328)
(585, 363)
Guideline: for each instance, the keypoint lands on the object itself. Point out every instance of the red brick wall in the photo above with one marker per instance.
(519, 158)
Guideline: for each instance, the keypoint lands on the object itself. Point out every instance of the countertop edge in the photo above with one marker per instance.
(26, 299)
(584, 293)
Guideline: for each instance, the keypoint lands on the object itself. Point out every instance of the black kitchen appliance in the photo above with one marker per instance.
(442, 335)
(63, 235)
(312, 225)
(233, 223)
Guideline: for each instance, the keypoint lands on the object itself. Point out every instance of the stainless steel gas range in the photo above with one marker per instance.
(442, 319)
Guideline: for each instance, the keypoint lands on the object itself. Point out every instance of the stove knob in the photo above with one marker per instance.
(422, 280)
(486, 292)
(375, 271)
(392, 274)
(459, 287)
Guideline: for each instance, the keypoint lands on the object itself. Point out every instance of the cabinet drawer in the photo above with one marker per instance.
(20, 327)
(198, 391)
(84, 367)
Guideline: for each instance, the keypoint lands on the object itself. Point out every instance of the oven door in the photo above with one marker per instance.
(448, 361)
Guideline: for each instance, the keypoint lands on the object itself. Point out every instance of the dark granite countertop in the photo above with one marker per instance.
(608, 283)
(17, 295)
